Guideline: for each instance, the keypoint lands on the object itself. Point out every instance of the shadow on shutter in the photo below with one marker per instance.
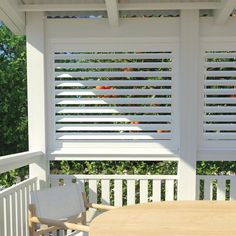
(113, 95)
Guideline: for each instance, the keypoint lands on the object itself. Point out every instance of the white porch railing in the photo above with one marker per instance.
(122, 190)
(116, 190)
(216, 187)
(14, 201)
(14, 161)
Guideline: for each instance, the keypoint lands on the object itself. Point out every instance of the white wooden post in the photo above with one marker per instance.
(36, 93)
(188, 89)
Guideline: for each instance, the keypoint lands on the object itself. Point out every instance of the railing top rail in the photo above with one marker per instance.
(17, 187)
(115, 177)
(13, 161)
(215, 177)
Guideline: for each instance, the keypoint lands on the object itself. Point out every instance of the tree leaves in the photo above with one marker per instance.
(13, 93)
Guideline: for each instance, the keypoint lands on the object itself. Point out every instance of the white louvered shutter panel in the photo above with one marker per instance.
(113, 96)
(220, 95)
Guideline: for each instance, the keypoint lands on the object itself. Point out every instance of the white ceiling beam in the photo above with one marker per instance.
(223, 14)
(169, 6)
(112, 12)
(13, 19)
(63, 7)
(121, 6)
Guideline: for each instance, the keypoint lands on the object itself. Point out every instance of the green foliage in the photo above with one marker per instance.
(216, 167)
(114, 167)
(13, 99)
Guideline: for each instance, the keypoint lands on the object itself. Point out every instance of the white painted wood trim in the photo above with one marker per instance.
(112, 12)
(131, 31)
(11, 162)
(36, 93)
(169, 6)
(212, 146)
(18, 186)
(106, 151)
(14, 203)
(62, 7)
(188, 89)
(215, 154)
(103, 149)
(121, 6)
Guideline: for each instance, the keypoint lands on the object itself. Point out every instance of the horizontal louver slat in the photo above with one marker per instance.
(116, 110)
(112, 118)
(113, 95)
(220, 91)
(223, 101)
(120, 83)
(102, 127)
(220, 118)
(220, 82)
(100, 74)
(95, 92)
(114, 56)
(219, 109)
(220, 95)
(107, 136)
(111, 65)
(151, 101)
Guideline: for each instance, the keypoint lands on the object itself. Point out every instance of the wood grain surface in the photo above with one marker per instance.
(176, 218)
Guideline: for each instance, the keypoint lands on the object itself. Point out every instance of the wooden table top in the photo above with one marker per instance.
(177, 218)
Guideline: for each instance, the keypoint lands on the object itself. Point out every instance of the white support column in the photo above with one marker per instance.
(36, 93)
(188, 89)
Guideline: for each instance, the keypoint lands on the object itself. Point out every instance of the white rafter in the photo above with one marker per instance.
(112, 12)
(223, 14)
(169, 5)
(63, 7)
(13, 19)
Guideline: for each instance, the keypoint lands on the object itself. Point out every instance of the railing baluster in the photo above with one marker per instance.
(93, 190)
(24, 212)
(130, 191)
(169, 194)
(207, 189)
(1, 216)
(143, 190)
(156, 190)
(221, 189)
(118, 192)
(14, 214)
(198, 188)
(233, 188)
(27, 200)
(105, 183)
(7, 216)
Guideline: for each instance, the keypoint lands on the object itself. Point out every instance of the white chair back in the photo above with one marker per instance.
(59, 203)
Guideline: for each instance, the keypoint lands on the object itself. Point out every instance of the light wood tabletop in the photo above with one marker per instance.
(177, 218)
